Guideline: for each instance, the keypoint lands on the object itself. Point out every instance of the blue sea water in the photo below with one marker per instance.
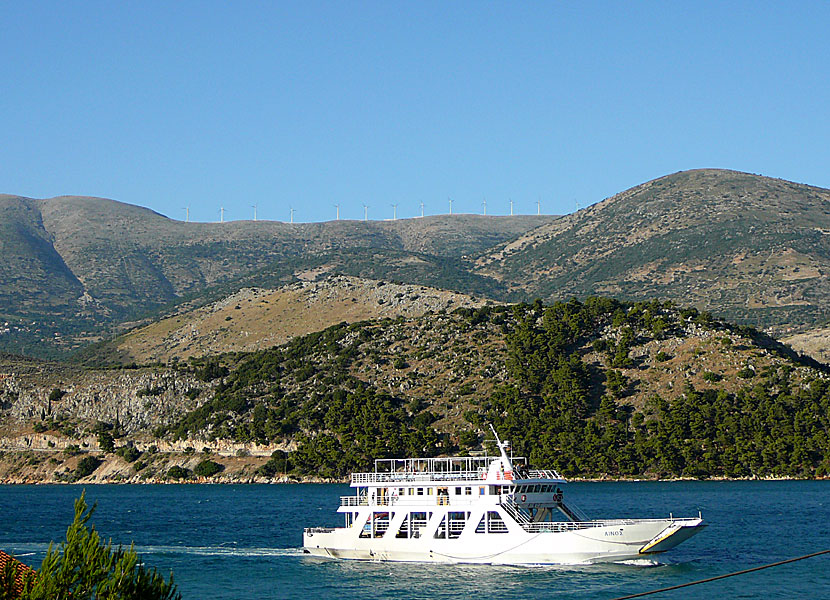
(242, 542)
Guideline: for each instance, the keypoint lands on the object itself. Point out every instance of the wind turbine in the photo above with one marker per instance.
(221, 214)
(254, 207)
(511, 207)
(291, 210)
(450, 199)
(394, 212)
(422, 209)
(539, 207)
(337, 206)
(365, 212)
(485, 206)
(186, 213)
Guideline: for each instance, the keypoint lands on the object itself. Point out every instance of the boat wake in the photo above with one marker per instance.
(229, 551)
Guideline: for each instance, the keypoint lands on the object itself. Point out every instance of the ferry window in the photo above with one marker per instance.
(537, 488)
(429, 491)
(366, 531)
(381, 522)
(495, 524)
(420, 491)
(494, 490)
(456, 523)
(403, 530)
(401, 491)
(441, 532)
(411, 491)
(468, 491)
(458, 491)
(418, 520)
(482, 525)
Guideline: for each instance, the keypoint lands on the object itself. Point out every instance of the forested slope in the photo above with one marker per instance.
(601, 388)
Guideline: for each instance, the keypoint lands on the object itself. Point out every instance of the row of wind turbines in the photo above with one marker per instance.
(365, 211)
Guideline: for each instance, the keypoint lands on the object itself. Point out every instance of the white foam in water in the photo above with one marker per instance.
(218, 551)
(640, 562)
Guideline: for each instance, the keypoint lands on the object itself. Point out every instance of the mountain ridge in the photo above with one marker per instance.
(82, 265)
(730, 242)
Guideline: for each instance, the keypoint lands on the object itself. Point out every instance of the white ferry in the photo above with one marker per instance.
(481, 510)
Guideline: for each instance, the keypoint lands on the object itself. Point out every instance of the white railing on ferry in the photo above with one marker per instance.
(361, 478)
(558, 526)
(460, 500)
(542, 474)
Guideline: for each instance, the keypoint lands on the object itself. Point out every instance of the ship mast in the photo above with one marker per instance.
(503, 447)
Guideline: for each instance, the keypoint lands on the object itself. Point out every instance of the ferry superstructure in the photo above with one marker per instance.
(491, 510)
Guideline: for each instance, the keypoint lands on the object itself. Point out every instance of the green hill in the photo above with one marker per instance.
(750, 248)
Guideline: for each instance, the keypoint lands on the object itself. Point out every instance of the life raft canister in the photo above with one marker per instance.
(524, 498)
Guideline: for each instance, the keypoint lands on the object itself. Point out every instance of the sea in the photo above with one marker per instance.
(241, 542)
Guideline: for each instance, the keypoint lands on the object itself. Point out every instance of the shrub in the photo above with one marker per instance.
(177, 472)
(400, 363)
(106, 442)
(711, 376)
(128, 453)
(87, 466)
(662, 356)
(56, 394)
(746, 373)
(150, 391)
(208, 468)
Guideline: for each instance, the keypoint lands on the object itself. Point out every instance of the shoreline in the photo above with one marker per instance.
(259, 480)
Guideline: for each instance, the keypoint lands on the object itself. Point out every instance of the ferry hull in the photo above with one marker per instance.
(595, 544)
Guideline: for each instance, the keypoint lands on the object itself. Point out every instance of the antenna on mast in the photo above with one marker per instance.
(394, 212)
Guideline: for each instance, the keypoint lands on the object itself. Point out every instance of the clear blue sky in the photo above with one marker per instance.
(310, 104)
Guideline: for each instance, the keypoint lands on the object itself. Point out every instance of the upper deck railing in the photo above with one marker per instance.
(479, 474)
(423, 476)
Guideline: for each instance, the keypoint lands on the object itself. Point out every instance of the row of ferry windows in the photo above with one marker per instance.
(468, 491)
(413, 524)
(534, 489)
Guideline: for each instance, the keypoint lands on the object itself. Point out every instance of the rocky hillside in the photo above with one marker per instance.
(813, 342)
(74, 267)
(255, 318)
(750, 248)
(598, 389)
